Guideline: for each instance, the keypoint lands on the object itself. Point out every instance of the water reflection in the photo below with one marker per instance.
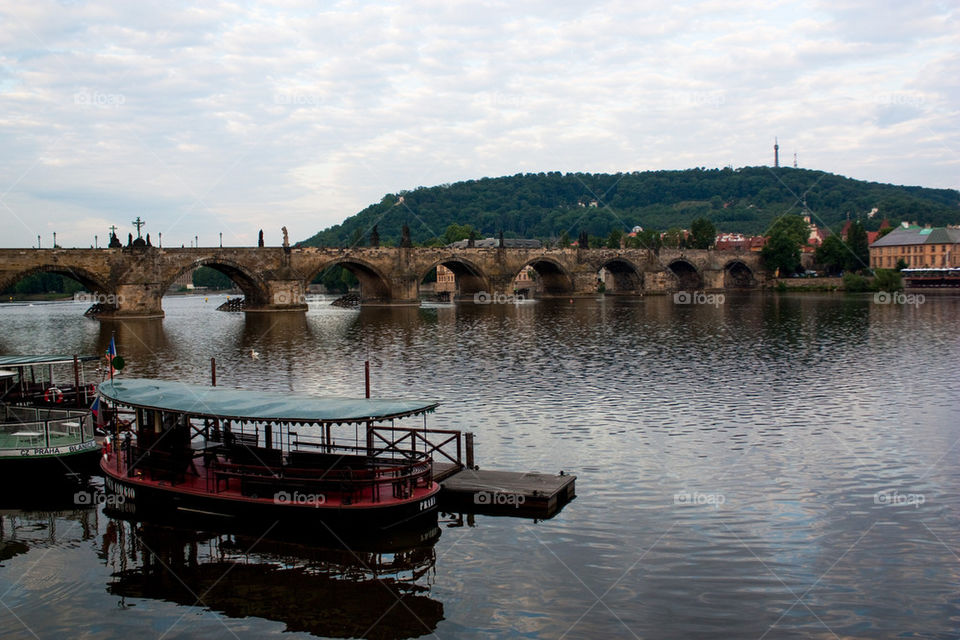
(798, 409)
(328, 591)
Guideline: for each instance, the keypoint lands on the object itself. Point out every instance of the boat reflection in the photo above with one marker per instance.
(378, 591)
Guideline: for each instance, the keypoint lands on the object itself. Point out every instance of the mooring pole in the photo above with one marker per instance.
(213, 372)
(76, 379)
(366, 384)
(469, 442)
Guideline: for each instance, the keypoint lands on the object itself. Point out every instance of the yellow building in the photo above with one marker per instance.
(918, 247)
(447, 281)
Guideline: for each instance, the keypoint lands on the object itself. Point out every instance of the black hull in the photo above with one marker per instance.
(148, 502)
(38, 474)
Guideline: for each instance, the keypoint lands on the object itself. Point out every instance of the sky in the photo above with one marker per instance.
(227, 118)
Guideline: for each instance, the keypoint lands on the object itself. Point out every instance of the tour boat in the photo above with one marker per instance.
(46, 426)
(265, 456)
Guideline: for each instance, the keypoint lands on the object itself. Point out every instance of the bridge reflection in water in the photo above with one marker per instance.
(378, 591)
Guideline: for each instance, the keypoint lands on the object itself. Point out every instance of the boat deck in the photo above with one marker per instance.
(528, 495)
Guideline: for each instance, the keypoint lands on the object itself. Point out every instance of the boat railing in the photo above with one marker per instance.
(29, 429)
(439, 444)
(53, 395)
(341, 471)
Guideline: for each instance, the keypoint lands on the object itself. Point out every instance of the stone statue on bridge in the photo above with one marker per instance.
(286, 238)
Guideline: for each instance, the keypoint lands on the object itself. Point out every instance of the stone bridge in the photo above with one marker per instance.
(130, 282)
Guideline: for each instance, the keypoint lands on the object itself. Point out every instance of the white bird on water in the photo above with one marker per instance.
(254, 354)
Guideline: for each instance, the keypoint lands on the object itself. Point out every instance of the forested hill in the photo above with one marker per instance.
(547, 205)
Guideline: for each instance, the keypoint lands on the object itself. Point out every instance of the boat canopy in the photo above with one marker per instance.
(38, 360)
(265, 406)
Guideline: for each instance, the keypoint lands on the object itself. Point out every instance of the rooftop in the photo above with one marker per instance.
(916, 235)
(34, 360)
(264, 406)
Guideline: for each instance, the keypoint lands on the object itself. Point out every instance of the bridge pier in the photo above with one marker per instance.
(659, 281)
(713, 280)
(404, 291)
(136, 301)
(278, 295)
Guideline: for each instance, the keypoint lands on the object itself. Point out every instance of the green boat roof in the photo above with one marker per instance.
(265, 406)
(34, 360)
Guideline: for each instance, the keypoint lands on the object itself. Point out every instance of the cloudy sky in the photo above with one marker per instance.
(228, 118)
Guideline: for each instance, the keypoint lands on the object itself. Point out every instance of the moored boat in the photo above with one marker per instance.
(240, 455)
(46, 425)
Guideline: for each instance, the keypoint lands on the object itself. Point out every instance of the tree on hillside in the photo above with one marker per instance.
(646, 239)
(613, 240)
(702, 233)
(785, 237)
(832, 254)
(541, 205)
(673, 238)
(858, 248)
(457, 232)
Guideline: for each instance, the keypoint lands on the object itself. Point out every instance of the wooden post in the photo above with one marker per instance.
(213, 372)
(469, 438)
(366, 377)
(76, 380)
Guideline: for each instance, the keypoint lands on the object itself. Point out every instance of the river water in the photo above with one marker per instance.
(775, 466)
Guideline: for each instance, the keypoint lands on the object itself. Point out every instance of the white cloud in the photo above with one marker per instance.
(232, 118)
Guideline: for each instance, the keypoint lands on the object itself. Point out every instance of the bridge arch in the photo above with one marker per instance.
(374, 285)
(623, 277)
(88, 279)
(686, 274)
(555, 280)
(738, 275)
(253, 288)
(469, 278)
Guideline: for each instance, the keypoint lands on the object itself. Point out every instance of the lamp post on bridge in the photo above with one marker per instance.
(221, 239)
